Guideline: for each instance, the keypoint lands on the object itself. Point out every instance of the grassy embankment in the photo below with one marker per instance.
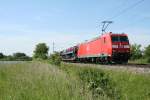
(139, 61)
(122, 84)
(38, 81)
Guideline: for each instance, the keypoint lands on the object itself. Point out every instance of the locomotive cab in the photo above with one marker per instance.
(120, 48)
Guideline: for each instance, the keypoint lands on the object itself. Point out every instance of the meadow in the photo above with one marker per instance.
(38, 81)
(43, 81)
(114, 84)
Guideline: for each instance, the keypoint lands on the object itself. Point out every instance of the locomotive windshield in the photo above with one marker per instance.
(123, 39)
(119, 39)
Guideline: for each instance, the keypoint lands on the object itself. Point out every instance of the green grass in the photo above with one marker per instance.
(132, 86)
(42, 81)
(38, 81)
(129, 86)
(139, 61)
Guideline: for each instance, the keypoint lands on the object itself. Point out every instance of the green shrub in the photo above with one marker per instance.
(136, 52)
(148, 60)
(114, 84)
(99, 83)
(1, 55)
(55, 59)
(147, 53)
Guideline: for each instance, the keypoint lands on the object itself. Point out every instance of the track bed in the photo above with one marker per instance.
(135, 68)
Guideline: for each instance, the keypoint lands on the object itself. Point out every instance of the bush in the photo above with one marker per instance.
(21, 57)
(9, 58)
(148, 60)
(55, 59)
(1, 55)
(16, 57)
(136, 52)
(147, 53)
(99, 83)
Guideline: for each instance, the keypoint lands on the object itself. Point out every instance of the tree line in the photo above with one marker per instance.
(18, 56)
(137, 53)
(41, 53)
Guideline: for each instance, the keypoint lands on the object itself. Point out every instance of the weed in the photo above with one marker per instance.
(99, 83)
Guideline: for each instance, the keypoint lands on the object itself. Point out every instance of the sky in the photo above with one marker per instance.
(25, 23)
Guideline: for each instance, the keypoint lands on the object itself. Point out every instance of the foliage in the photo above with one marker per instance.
(55, 58)
(139, 61)
(99, 83)
(21, 56)
(41, 51)
(8, 58)
(37, 81)
(136, 52)
(1, 55)
(147, 53)
(133, 86)
(95, 80)
(126, 85)
(16, 57)
(139, 56)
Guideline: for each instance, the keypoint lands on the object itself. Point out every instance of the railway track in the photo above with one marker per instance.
(132, 65)
(123, 65)
(135, 68)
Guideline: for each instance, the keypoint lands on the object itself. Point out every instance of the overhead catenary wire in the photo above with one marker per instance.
(133, 22)
(121, 12)
(125, 10)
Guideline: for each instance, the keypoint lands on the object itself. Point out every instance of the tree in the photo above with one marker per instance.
(136, 51)
(9, 58)
(18, 55)
(1, 55)
(41, 51)
(147, 53)
(55, 58)
(21, 56)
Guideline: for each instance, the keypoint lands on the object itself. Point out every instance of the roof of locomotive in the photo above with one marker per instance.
(106, 34)
(118, 34)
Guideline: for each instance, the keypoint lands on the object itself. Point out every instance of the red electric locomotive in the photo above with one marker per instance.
(106, 48)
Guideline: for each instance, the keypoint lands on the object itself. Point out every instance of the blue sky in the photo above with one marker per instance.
(24, 23)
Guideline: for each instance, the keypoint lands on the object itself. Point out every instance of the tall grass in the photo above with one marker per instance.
(38, 81)
(133, 86)
(139, 61)
(41, 81)
(113, 84)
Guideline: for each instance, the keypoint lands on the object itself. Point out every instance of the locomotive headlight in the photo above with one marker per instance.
(126, 46)
(114, 46)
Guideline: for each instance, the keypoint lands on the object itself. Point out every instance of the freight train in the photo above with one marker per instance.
(107, 48)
